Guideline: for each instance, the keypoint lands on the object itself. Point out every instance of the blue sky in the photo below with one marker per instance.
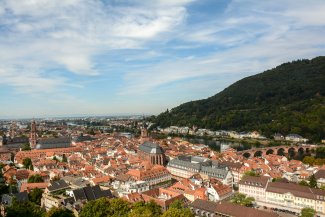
(143, 56)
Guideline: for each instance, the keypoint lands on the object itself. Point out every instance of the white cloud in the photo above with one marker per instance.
(41, 40)
(49, 34)
(262, 38)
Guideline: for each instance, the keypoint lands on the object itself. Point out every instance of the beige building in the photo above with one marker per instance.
(254, 187)
(295, 197)
(48, 201)
(283, 195)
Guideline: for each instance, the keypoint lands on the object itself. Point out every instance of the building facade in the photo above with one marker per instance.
(254, 187)
(152, 152)
(184, 167)
(295, 197)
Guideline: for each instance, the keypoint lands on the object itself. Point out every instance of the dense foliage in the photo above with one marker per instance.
(35, 196)
(35, 179)
(307, 212)
(105, 207)
(319, 158)
(26, 147)
(177, 209)
(242, 199)
(27, 162)
(27, 209)
(118, 207)
(59, 212)
(286, 99)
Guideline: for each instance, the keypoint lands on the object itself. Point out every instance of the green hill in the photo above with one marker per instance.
(286, 99)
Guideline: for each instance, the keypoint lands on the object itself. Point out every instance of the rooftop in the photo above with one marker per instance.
(151, 148)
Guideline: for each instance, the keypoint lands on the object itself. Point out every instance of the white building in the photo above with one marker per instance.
(295, 138)
(187, 166)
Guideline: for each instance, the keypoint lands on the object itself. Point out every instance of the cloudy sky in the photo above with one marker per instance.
(91, 57)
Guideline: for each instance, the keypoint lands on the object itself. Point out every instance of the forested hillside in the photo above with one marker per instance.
(286, 99)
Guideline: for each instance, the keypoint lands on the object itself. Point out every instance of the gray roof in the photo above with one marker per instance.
(20, 197)
(199, 164)
(55, 140)
(256, 181)
(184, 162)
(215, 171)
(151, 148)
(76, 180)
(82, 138)
(57, 185)
(204, 205)
(192, 162)
(91, 193)
(229, 209)
(61, 142)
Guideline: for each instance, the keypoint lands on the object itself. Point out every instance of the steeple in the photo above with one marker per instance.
(33, 135)
(12, 131)
(144, 131)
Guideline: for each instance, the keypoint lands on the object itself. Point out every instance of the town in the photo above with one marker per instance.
(63, 164)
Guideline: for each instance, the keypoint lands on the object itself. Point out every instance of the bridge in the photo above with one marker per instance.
(279, 150)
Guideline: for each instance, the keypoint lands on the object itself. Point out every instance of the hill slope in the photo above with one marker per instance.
(286, 99)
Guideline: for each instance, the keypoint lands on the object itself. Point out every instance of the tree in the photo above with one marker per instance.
(56, 178)
(307, 212)
(105, 207)
(154, 208)
(26, 147)
(174, 212)
(276, 179)
(13, 189)
(27, 162)
(320, 152)
(319, 161)
(59, 212)
(242, 199)
(64, 158)
(141, 211)
(177, 209)
(26, 209)
(35, 179)
(96, 208)
(35, 196)
(250, 173)
(177, 204)
(303, 183)
(312, 181)
(309, 160)
(4, 189)
(119, 207)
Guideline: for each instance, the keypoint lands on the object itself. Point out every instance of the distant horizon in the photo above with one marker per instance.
(73, 116)
(141, 56)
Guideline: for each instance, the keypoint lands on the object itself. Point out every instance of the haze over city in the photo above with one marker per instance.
(141, 57)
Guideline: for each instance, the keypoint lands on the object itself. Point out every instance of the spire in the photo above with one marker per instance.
(33, 135)
(144, 131)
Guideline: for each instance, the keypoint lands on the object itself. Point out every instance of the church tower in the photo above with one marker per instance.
(12, 130)
(33, 135)
(144, 132)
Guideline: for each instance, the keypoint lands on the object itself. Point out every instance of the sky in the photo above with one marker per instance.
(115, 57)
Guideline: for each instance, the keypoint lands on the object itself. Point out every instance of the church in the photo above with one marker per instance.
(150, 151)
(47, 143)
